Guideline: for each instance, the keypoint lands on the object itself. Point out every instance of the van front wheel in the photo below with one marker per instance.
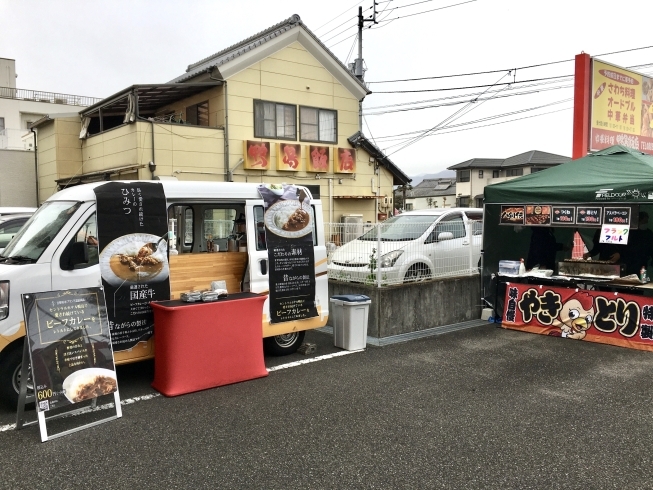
(282, 345)
(10, 371)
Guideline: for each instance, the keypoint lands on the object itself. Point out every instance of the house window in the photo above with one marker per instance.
(514, 172)
(318, 125)
(198, 114)
(463, 175)
(463, 202)
(480, 174)
(409, 206)
(272, 120)
(2, 125)
(496, 173)
(535, 169)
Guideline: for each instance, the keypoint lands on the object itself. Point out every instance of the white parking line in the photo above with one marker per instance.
(106, 406)
(313, 359)
(129, 401)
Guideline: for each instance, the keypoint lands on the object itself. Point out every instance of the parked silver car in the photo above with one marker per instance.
(415, 245)
(9, 226)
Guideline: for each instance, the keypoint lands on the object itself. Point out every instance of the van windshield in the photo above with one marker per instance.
(41, 229)
(402, 228)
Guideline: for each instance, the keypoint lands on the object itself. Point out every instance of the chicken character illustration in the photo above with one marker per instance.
(576, 316)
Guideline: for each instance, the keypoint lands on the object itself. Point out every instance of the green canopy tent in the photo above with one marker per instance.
(615, 176)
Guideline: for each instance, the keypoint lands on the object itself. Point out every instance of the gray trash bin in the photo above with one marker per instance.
(349, 313)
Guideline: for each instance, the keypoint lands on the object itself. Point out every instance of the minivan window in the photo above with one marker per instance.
(32, 240)
(404, 227)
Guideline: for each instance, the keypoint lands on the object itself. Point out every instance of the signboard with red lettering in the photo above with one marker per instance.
(621, 108)
(597, 316)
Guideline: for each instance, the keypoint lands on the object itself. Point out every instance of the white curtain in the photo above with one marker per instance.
(327, 126)
(84, 132)
(130, 114)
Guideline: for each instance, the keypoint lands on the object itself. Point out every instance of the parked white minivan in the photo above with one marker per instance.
(415, 245)
(52, 252)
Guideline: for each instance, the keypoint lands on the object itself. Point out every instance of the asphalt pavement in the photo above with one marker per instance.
(480, 408)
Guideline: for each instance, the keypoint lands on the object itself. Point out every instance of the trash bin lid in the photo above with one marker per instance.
(351, 298)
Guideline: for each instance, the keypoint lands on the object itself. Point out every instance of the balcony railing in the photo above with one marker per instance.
(51, 97)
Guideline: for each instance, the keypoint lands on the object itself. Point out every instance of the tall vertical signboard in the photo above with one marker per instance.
(289, 229)
(612, 106)
(132, 232)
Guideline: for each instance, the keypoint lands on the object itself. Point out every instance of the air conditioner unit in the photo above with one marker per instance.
(352, 227)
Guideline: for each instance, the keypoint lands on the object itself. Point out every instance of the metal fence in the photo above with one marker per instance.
(52, 97)
(406, 252)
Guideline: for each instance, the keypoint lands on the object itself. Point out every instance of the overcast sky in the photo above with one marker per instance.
(98, 48)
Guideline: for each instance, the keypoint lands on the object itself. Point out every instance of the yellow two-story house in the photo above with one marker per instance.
(276, 107)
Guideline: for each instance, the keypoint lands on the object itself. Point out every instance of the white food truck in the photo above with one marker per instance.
(57, 250)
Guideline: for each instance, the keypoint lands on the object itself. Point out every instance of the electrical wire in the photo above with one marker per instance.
(423, 12)
(489, 118)
(502, 70)
(446, 121)
(465, 88)
(339, 15)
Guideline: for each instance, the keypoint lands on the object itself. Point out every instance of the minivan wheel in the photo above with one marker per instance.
(10, 371)
(282, 345)
(417, 272)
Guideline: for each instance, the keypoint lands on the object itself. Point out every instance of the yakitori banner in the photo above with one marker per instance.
(598, 316)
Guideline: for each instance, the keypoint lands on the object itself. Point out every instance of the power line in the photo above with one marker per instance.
(425, 12)
(502, 70)
(464, 88)
(339, 15)
(489, 118)
(446, 121)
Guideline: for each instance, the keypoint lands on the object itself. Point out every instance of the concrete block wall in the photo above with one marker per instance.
(17, 178)
(418, 306)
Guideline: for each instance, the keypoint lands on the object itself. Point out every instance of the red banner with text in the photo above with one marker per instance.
(606, 317)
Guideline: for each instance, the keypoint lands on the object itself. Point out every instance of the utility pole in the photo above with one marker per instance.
(358, 62)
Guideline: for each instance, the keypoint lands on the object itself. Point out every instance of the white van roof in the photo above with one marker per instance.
(15, 210)
(188, 190)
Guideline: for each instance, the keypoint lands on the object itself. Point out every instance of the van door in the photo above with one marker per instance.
(83, 275)
(257, 251)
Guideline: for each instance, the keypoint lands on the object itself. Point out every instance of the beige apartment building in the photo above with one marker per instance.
(276, 107)
(473, 175)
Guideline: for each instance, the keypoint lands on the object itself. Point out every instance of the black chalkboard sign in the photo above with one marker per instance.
(589, 215)
(563, 215)
(616, 216)
(69, 346)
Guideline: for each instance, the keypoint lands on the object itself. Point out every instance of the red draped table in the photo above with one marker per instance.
(204, 345)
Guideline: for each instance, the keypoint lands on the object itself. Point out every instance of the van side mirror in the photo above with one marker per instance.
(445, 235)
(75, 253)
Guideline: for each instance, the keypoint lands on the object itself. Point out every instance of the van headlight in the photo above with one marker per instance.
(4, 299)
(389, 259)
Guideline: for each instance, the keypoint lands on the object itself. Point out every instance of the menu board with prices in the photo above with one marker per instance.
(563, 215)
(589, 215)
(70, 346)
(617, 216)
